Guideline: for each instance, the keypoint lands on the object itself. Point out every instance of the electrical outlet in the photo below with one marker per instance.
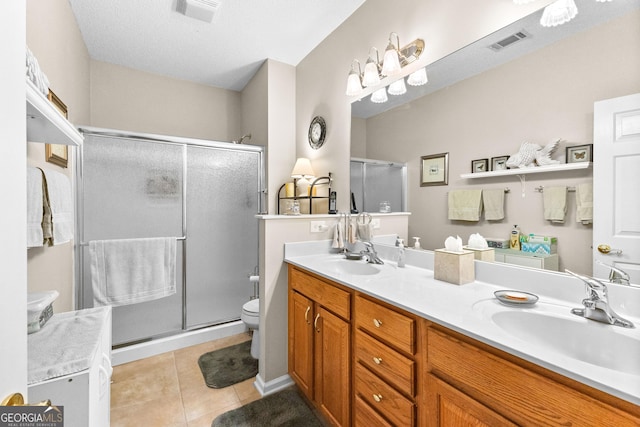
(375, 222)
(318, 226)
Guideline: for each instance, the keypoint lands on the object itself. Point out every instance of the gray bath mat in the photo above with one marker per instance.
(228, 366)
(286, 408)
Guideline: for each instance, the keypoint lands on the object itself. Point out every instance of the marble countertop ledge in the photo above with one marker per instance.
(467, 308)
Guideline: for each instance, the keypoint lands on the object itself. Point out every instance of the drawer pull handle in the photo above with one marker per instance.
(377, 397)
(306, 315)
(377, 323)
(315, 322)
(377, 360)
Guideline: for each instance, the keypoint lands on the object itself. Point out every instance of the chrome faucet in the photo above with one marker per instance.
(596, 304)
(371, 254)
(617, 275)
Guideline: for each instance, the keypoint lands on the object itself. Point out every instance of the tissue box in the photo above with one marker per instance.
(498, 243)
(39, 309)
(537, 244)
(454, 267)
(488, 254)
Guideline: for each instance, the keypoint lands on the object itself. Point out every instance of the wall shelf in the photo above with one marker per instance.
(45, 123)
(525, 171)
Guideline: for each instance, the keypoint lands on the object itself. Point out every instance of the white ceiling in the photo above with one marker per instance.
(149, 35)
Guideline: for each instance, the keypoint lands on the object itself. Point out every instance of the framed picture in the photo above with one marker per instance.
(499, 163)
(434, 170)
(580, 153)
(480, 165)
(56, 153)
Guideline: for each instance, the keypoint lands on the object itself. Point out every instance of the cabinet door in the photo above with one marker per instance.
(301, 336)
(450, 407)
(332, 367)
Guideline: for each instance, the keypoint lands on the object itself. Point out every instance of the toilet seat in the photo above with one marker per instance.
(251, 308)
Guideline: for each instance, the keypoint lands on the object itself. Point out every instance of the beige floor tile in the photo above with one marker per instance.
(206, 419)
(246, 391)
(200, 400)
(156, 413)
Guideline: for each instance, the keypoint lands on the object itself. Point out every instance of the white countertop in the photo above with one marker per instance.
(467, 308)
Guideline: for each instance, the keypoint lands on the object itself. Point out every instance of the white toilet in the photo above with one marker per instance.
(251, 317)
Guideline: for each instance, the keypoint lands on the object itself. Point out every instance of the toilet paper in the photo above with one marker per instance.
(254, 278)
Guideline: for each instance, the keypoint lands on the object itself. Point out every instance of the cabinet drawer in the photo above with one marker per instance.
(327, 295)
(385, 362)
(502, 386)
(389, 325)
(367, 417)
(384, 398)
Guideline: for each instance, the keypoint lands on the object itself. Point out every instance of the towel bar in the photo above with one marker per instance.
(177, 238)
(540, 189)
(506, 190)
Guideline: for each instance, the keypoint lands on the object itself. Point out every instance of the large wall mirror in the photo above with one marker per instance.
(486, 99)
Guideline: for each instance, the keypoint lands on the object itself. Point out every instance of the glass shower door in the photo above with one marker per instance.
(222, 245)
(132, 189)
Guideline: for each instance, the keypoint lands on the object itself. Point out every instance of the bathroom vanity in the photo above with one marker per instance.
(393, 346)
(70, 364)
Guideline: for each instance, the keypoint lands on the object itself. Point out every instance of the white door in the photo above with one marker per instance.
(616, 185)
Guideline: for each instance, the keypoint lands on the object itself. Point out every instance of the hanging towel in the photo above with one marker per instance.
(465, 205)
(555, 203)
(584, 203)
(365, 232)
(34, 208)
(338, 239)
(493, 201)
(130, 271)
(60, 202)
(352, 234)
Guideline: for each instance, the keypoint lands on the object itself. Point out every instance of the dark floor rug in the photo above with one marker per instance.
(285, 408)
(228, 366)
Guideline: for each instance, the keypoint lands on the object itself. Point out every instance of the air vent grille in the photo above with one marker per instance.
(508, 41)
(203, 10)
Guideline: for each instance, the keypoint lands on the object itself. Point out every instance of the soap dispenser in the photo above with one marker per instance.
(400, 244)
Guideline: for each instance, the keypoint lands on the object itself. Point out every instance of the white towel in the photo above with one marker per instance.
(130, 271)
(555, 203)
(34, 208)
(493, 201)
(365, 231)
(584, 203)
(338, 238)
(465, 205)
(61, 204)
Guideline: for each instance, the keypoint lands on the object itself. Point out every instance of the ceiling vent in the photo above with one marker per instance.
(203, 10)
(508, 41)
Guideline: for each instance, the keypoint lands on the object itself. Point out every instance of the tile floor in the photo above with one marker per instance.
(168, 390)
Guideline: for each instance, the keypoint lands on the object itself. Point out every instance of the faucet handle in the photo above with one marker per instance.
(616, 275)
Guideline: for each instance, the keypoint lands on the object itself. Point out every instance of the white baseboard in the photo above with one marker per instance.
(186, 339)
(272, 386)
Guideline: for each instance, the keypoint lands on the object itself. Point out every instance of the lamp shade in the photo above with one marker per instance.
(302, 169)
(418, 77)
(354, 85)
(558, 13)
(371, 76)
(379, 96)
(390, 61)
(397, 87)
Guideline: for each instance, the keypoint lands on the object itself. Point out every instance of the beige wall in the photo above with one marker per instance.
(545, 95)
(63, 57)
(132, 100)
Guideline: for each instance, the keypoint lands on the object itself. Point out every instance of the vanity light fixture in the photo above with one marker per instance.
(418, 77)
(398, 87)
(391, 60)
(354, 81)
(379, 96)
(558, 13)
(371, 70)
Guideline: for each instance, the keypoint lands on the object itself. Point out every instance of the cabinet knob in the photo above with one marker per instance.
(377, 323)
(306, 315)
(377, 397)
(377, 360)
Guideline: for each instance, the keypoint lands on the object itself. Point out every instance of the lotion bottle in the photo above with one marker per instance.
(400, 253)
(514, 241)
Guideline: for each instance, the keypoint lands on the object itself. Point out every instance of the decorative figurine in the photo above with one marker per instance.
(531, 154)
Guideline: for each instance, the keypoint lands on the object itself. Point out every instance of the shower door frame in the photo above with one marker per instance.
(159, 139)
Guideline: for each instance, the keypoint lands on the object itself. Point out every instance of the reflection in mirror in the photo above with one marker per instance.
(378, 186)
(538, 88)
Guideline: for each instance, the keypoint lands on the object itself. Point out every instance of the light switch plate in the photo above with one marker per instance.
(318, 226)
(375, 222)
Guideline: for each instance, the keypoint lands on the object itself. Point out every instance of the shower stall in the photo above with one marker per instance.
(376, 181)
(205, 194)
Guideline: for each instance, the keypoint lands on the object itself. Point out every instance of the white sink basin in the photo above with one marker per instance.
(357, 268)
(585, 340)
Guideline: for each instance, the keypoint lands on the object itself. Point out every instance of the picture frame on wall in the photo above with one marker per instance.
(580, 153)
(479, 165)
(434, 170)
(499, 163)
(56, 153)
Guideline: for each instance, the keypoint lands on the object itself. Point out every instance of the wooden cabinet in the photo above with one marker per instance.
(320, 344)
(385, 347)
(469, 380)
